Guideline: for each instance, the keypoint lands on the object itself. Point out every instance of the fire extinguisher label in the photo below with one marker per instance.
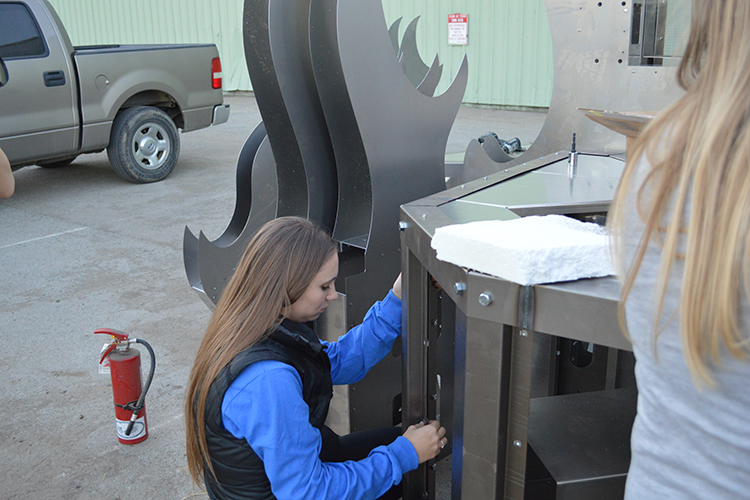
(139, 429)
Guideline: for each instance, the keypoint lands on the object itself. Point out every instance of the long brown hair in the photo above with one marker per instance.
(699, 150)
(279, 263)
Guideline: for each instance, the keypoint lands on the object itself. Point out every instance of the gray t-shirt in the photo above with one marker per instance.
(687, 443)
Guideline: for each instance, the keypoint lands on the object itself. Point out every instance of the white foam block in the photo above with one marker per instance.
(529, 250)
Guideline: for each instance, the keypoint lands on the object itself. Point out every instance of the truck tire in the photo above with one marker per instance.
(144, 145)
(58, 163)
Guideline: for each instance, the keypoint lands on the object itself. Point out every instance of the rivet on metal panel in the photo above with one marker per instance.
(517, 443)
(426, 343)
(459, 288)
(434, 397)
(424, 216)
(402, 225)
(506, 170)
(524, 333)
(485, 299)
(433, 466)
(435, 322)
(425, 495)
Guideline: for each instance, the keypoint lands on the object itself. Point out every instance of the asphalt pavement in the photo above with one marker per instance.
(81, 249)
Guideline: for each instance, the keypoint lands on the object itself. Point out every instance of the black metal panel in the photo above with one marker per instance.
(408, 55)
(594, 428)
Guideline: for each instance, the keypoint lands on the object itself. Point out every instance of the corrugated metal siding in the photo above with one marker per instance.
(95, 22)
(509, 50)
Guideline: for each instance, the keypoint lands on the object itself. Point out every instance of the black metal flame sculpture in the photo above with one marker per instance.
(350, 132)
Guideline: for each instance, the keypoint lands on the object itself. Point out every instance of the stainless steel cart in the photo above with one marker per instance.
(476, 367)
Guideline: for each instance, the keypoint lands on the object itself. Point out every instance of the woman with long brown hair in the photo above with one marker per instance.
(261, 384)
(681, 221)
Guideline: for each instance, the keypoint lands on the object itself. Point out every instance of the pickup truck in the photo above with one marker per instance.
(60, 101)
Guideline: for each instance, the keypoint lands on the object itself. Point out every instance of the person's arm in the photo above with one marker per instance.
(362, 347)
(7, 182)
(264, 405)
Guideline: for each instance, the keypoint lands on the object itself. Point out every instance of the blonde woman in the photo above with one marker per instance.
(261, 384)
(681, 220)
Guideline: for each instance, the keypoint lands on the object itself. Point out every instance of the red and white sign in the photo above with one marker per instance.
(458, 29)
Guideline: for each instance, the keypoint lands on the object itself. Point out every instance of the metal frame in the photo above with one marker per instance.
(592, 70)
(496, 323)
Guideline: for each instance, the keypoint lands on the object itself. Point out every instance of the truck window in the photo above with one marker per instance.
(19, 34)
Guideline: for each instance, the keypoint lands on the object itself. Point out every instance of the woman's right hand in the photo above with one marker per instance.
(428, 439)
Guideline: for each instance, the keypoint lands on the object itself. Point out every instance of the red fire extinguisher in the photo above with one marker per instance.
(125, 370)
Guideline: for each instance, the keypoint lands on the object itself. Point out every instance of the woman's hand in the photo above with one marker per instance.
(397, 287)
(428, 439)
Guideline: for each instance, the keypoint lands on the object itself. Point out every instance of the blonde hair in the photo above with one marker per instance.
(699, 150)
(279, 263)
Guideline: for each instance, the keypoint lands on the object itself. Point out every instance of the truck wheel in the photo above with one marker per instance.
(144, 145)
(59, 163)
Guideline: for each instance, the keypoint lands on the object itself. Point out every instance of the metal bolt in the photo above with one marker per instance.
(524, 333)
(485, 299)
(433, 467)
(426, 343)
(459, 288)
(402, 225)
(435, 322)
(517, 443)
(434, 397)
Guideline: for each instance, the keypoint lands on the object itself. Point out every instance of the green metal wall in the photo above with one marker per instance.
(95, 22)
(509, 50)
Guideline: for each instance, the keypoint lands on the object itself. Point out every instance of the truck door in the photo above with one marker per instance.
(38, 105)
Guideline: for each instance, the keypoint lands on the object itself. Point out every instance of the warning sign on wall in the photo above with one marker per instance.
(458, 29)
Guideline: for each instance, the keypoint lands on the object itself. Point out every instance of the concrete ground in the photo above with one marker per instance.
(81, 249)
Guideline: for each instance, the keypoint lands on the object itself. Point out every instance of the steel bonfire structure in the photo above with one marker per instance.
(350, 132)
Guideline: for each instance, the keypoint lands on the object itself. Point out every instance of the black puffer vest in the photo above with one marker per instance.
(239, 470)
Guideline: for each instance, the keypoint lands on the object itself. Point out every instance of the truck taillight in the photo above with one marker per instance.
(216, 73)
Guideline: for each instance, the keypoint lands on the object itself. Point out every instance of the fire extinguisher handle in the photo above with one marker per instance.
(107, 352)
(117, 334)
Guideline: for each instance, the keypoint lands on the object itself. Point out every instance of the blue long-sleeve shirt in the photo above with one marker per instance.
(264, 405)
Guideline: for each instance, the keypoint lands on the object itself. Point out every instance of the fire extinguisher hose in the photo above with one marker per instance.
(141, 399)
